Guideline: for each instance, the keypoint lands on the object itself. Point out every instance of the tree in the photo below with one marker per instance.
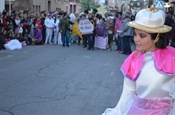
(88, 4)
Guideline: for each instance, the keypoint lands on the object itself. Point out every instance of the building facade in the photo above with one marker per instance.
(40, 5)
(70, 6)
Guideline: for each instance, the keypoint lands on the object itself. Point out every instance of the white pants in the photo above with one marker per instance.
(48, 35)
(57, 38)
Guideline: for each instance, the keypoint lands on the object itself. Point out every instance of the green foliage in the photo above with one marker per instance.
(87, 4)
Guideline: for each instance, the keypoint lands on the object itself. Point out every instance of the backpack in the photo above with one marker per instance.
(101, 30)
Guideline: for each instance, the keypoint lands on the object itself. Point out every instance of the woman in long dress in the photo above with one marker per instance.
(149, 87)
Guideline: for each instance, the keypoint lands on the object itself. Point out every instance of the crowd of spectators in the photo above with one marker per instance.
(55, 28)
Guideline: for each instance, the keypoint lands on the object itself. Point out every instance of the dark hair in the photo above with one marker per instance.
(120, 13)
(86, 11)
(103, 19)
(95, 10)
(99, 16)
(163, 40)
(64, 14)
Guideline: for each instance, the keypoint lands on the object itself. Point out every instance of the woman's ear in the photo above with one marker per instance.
(157, 38)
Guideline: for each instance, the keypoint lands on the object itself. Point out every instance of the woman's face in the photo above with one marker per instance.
(101, 20)
(119, 16)
(143, 41)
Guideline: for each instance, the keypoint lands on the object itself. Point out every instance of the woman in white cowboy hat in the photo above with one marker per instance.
(149, 87)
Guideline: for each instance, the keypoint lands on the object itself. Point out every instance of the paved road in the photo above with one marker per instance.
(56, 80)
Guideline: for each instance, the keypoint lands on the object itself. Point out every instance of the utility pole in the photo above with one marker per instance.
(10, 7)
(27, 4)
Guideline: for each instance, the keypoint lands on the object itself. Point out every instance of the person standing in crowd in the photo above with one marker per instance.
(49, 24)
(38, 22)
(101, 35)
(24, 21)
(149, 83)
(168, 19)
(64, 27)
(76, 32)
(95, 12)
(17, 21)
(43, 17)
(126, 33)
(118, 24)
(32, 25)
(85, 37)
(90, 36)
(115, 38)
(86, 13)
(5, 21)
(110, 28)
(56, 29)
(101, 28)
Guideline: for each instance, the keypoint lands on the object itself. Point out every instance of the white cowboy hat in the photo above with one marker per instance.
(150, 20)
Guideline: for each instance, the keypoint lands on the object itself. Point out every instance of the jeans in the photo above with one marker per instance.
(110, 40)
(120, 43)
(85, 40)
(126, 45)
(65, 38)
(90, 41)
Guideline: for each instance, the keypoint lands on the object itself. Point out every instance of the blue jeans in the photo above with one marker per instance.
(90, 41)
(120, 43)
(65, 38)
(126, 44)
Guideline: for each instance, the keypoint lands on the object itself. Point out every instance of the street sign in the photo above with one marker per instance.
(159, 4)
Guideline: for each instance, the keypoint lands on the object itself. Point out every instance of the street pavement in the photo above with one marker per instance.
(56, 80)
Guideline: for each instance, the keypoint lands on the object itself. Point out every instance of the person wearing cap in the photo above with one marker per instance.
(149, 82)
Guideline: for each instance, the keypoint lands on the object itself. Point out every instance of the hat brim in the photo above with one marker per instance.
(162, 29)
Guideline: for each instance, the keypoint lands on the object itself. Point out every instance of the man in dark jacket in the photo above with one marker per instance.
(64, 26)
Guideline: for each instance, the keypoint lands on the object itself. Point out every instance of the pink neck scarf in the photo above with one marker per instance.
(164, 61)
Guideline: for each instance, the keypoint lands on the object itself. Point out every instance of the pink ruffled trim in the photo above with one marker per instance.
(164, 60)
